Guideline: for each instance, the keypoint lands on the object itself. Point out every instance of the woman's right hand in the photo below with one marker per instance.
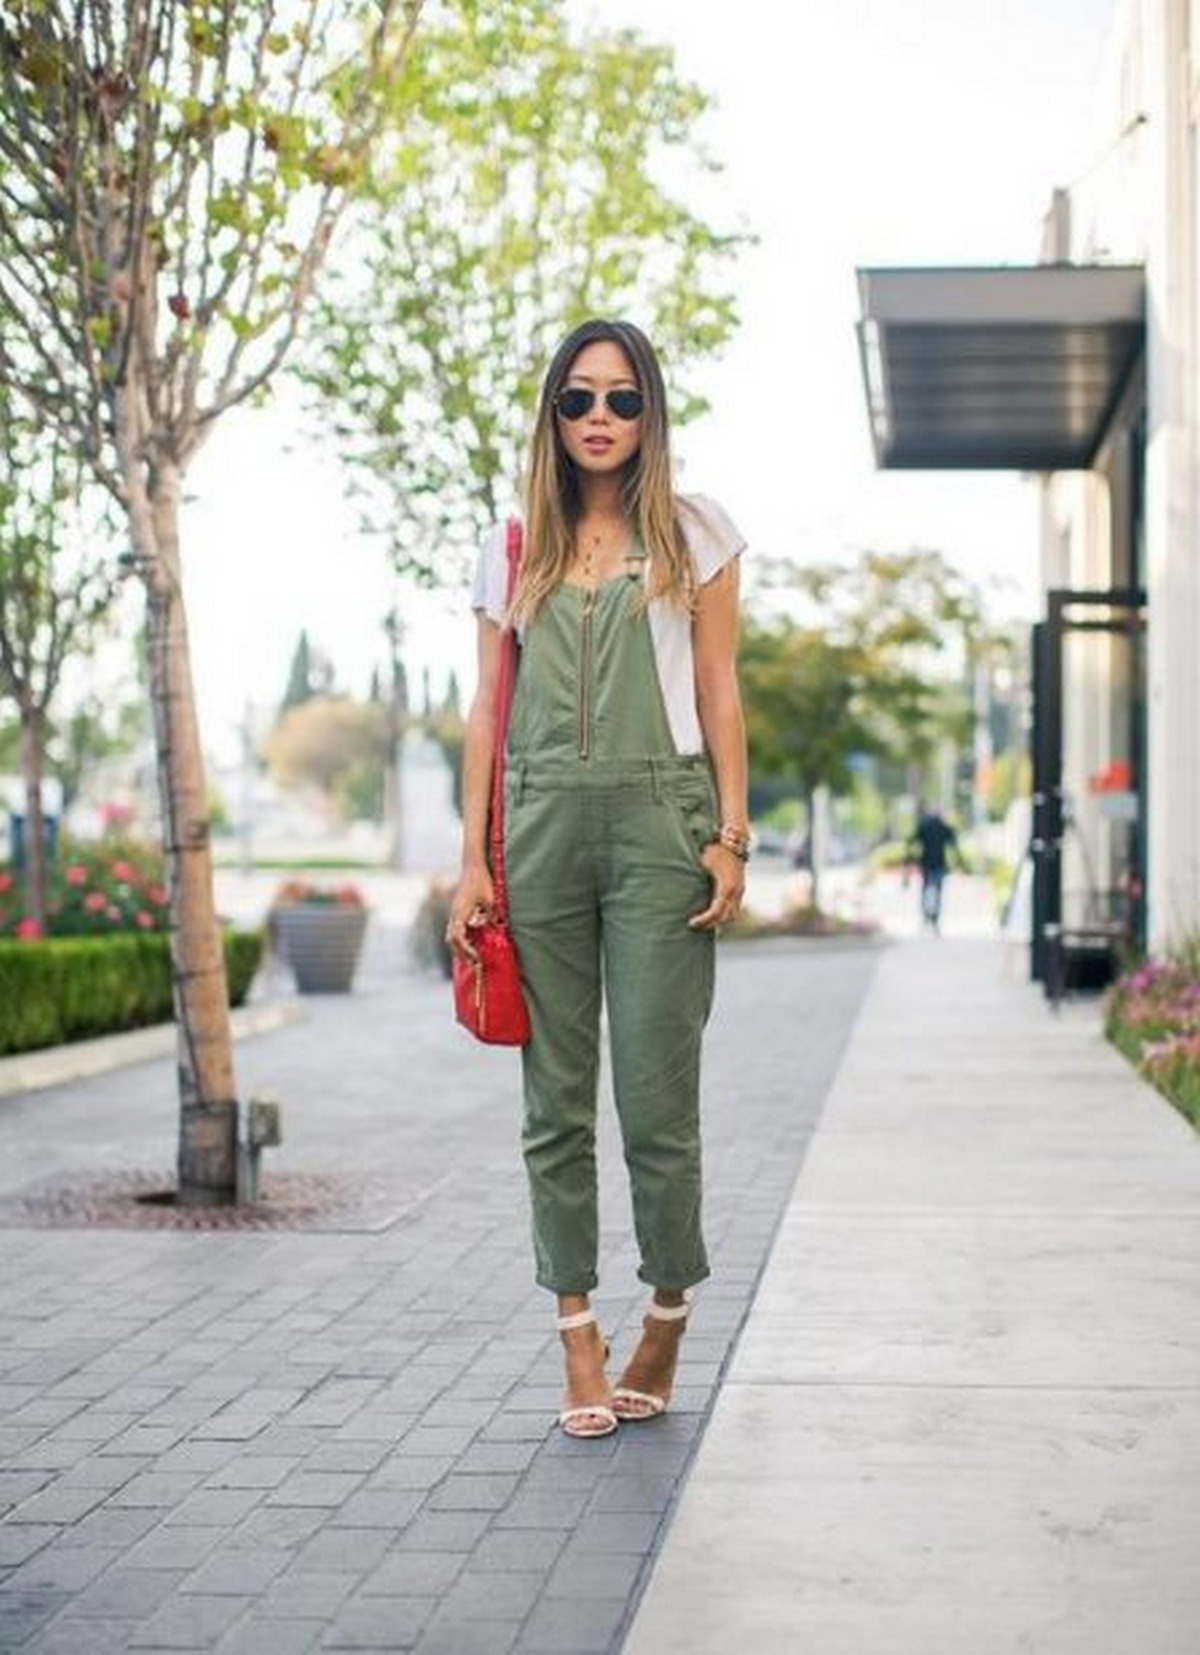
(474, 899)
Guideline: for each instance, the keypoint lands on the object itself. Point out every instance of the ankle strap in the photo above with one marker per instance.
(671, 1312)
(581, 1318)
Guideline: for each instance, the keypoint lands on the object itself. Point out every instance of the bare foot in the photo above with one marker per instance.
(587, 1383)
(651, 1368)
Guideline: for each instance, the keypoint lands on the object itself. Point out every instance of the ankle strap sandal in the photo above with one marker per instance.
(589, 1419)
(631, 1405)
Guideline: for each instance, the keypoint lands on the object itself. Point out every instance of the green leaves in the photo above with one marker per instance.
(518, 190)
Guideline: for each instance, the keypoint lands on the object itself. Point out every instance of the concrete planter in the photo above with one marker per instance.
(322, 943)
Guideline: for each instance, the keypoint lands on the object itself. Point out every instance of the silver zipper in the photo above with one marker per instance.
(585, 674)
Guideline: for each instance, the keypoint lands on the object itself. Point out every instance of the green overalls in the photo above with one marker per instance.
(604, 825)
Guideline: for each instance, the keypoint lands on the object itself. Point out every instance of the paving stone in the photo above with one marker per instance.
(584, 1573)
(216, 1507)
(125, 1593)
(67, 1636)
(191, 1622)
(344, 1549)
(58, 1568)
(58, 1505)
(280, 1528)
(410, 1573)
(388, 1508)
(24, 1611)
(404, 1470)
(173, 1548)
(543, 1508)
(446, 1531)
(631, 1491)
(521, 1549)
(107, 1471)
(20, 1540)
(315, 1488)
(379, 1623)
(480, 1594)
(261, 1634)
(308, 1593)
(483, 1492)
(496, 1456)
(467, 1638)
(19, 1485)
(566, 1626)
(165, 1489)
(235, 1571)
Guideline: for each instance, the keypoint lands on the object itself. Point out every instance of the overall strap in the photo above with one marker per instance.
(504, 699)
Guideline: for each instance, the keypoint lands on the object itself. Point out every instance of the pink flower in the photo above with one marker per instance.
(123, 872)
(94, 901)
(157, 894)
(28, 929)
(144, 919)
(77, 874)
(114, 913)
(6, 883)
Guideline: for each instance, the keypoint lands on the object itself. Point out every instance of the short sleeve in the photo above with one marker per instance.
(491, 577)
(712, 536)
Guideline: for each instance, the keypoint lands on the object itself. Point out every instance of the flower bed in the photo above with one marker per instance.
(1152, 1016)
(93, 890)
(802, 920)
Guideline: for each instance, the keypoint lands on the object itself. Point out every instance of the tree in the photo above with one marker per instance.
(808, 711)
(171, 174)
(523, 195)
(54, 591)
(334, 744)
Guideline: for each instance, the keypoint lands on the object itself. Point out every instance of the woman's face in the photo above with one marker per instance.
(599, 441)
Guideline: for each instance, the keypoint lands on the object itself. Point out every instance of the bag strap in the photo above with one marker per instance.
(504, 699)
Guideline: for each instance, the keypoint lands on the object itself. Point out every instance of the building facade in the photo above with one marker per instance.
(1082, 370)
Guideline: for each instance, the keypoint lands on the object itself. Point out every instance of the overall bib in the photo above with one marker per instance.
(604, 825)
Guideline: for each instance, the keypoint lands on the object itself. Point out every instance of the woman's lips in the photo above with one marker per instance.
(599, 444)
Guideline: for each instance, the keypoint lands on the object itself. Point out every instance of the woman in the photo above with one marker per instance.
(625, 833)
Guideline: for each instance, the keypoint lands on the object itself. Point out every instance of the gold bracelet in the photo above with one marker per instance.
(734, 839)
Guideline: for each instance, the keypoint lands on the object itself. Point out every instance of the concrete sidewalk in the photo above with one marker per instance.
(964, 1415)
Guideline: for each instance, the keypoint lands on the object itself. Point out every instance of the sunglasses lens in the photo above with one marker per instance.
(625, 404)
(575, 403)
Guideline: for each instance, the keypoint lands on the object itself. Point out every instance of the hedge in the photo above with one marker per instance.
(72, 988)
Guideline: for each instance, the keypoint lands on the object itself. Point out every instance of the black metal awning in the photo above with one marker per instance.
(1017, 368)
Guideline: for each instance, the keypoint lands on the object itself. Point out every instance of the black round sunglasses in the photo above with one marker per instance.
(626, 402)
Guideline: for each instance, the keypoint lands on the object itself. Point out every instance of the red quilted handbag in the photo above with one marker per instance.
(488, 998)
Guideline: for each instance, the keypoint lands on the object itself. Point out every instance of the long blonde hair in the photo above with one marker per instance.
(553, 500)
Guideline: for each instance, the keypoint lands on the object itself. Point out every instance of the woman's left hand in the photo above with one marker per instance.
(728, 874)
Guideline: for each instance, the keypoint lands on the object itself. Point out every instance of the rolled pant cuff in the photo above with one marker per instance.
(554, 1287)
(674, 1282)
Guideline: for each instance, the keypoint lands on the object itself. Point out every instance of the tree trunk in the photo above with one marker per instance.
(814, 872)
(32, 756)
(207, 1160)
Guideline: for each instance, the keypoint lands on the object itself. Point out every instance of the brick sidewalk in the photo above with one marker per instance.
(273, 1442)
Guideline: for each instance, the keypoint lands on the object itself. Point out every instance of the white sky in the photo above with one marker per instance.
(854, 132)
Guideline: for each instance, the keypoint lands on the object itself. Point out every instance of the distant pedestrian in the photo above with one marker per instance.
(626, 833)
(932, 843)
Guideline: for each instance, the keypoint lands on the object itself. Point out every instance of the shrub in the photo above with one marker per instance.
(54, 990)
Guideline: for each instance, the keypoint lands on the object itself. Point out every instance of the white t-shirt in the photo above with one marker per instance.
(712, 540)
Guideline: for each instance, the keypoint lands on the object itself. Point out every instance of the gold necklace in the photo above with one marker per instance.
(590, 545)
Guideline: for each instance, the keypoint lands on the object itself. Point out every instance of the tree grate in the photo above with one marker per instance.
(348, 1202)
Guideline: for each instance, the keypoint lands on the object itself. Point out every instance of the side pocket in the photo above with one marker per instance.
(694, 807)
